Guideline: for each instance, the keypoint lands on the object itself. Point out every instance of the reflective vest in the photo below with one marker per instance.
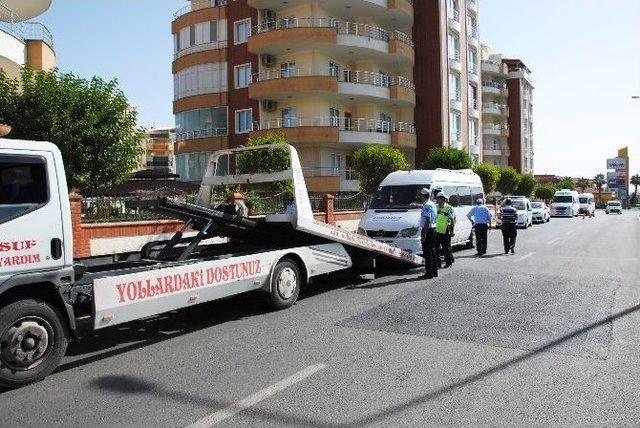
(444, 215)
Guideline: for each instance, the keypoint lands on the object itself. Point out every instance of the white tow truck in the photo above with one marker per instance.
(46, 296)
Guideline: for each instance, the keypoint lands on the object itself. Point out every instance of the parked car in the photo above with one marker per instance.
(613, 207)
(525, 213)
(540, 213)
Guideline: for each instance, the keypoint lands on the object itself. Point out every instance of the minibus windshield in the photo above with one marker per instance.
(397, 197)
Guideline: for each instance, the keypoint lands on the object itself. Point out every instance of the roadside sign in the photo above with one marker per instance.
(619, 164)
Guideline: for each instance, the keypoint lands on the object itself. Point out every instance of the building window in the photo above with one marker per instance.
(244, 119)
(201, 123)
(473, 132)
(242, 31)
(289, 117)
(288, 69)
(454, 46)
(473, 97)
(242, 75)
(455, 124)
(200, 79)
(454, 86)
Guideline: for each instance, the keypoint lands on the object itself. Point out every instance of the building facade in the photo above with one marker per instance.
(507, 112)
(24, 43)
(447, 77)
(495, 109)
(330, 76)
(158, 150)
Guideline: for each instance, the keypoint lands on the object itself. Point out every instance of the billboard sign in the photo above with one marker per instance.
(619, 164)
(616, 180)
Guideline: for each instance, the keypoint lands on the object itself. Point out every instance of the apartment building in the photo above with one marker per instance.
(520, 88)
(495, 109)
(24, 43)
(330, 76)
(157, 150)
(447, 76)
(507, 110)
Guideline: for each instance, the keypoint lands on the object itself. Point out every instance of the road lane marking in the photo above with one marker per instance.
(524, 257)
(250, 401)
(553, 241)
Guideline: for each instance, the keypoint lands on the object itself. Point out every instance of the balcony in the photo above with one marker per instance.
(454, 21)
(197, 5)
(349, 85)
(221, 44)
(455, 100)
(454, 61)
(311, 131)
(491, 152)
(473, 109)
(201, 133)
(360, 42)
(472, 5)
(329, 179)
(496, 130)
(495, 88)
(494, 67)
(391, 13)
(472, 70)
(495, 109)
(472, 37)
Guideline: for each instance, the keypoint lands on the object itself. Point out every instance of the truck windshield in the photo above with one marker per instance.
(397, 197)
(563, 199)
(584, 200)
(614, 204)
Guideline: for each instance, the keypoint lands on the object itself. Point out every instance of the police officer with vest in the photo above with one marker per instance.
(428, 235)
(445, 224)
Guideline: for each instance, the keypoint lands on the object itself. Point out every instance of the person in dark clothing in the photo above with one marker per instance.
(428, 235)
(509, 216)
(480, 218)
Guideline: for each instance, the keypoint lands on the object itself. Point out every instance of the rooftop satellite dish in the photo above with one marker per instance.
(25, 9)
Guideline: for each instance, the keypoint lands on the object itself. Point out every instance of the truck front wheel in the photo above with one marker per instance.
(33, 340)
(285, 284)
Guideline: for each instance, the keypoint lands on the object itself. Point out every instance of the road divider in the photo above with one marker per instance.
(246, 403)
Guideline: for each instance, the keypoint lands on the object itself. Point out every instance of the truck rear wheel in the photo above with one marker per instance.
(285, 284)
(33, 340)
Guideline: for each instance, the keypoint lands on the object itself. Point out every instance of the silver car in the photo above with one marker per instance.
(613, 207)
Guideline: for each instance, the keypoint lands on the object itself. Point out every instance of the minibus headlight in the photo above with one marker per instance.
(408, 233)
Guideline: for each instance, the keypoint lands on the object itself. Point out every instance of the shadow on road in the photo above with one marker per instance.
(133, 385)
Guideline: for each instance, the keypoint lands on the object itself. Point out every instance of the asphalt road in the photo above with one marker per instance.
(546, 337)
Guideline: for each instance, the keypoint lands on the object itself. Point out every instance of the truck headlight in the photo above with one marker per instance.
(408, 233)
(361, 231)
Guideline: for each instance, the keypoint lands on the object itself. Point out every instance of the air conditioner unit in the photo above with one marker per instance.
(268, 14)
(269, 105)
(268, 60)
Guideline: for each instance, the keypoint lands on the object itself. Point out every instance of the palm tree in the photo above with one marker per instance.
(635, 180)
(599, 181)
(582, 184)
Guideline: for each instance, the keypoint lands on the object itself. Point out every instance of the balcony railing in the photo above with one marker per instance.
(455, 95)
(219, 44)
(201, 133)
(495, 127)
(344, 174)
(495, 85)
(455, 55)
(344, 76)
(188, 8)
(473, 104)
(342, 27)
(12, 23)
(454, 15)
(494, 106)
(342, 123)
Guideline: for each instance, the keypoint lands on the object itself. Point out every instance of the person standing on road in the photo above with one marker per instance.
(445, 224)
(480, 218)
(428, 235)
(509, 217)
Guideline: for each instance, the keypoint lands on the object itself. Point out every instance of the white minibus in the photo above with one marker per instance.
(393, 214)
(587, 204)
(565, 204)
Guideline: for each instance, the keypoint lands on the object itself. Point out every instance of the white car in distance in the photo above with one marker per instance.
(540, 213)
(613, 207)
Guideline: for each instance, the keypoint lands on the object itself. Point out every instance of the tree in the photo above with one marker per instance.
(583, 184)
(260, 161)
(565, 183)
(545, 192)
(635, 181)
(599, 181)
(526, 185)
(448, 158)
(489, 175)
(508, 180)
(90, 121)
(374, 162)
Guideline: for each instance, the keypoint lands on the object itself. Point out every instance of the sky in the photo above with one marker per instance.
(584, 56)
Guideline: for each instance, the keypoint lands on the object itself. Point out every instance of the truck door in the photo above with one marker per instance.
(31, 237)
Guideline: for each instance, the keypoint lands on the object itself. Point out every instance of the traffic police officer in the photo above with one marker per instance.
(428, 235)
(445, 224)
(481, 223)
